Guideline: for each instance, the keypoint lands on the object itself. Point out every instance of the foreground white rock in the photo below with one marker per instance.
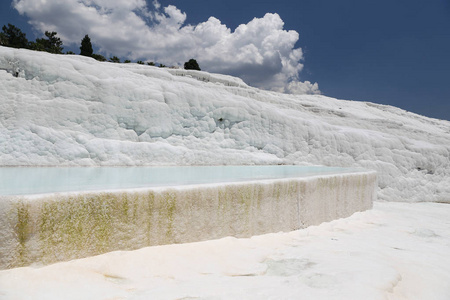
(395, 251)
(73, 110)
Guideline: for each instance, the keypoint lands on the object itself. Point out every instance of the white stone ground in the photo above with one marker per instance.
(395, 251)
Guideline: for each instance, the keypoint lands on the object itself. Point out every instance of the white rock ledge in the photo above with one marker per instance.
(57, 227)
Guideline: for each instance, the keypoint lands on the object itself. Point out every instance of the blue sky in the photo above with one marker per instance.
(391, 52)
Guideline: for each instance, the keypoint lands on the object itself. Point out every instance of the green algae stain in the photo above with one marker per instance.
(277, 191)
(245, 203)
(101, 214)
(135, 206)
(149, 211)
(73, 226)
(245, 198)
(259, 192)
(222, 199)
(222, 204)
(22, 230)
(170, 205)
(124, 207)
(76, 224)
(23, 219)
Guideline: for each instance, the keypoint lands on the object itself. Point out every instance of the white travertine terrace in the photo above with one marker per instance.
(53, 227)
(70, 110)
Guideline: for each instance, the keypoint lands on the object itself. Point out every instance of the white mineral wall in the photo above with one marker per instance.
(49, 228)
(67, 110)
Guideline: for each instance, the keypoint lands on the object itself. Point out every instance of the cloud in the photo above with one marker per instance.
(300, 88)
(261, 52)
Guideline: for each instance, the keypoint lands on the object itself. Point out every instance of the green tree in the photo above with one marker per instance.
(150, 63)
(98, 57)
(192, 65)
(51, 43)
(127, 61)
(2, 39)
(86, 46)
(13, 37)
(140, 62)
(114, 59)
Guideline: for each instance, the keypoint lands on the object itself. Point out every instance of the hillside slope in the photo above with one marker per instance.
(72, 110)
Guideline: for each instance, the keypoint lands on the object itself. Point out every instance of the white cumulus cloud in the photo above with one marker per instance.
(260, 52)
(297, 87)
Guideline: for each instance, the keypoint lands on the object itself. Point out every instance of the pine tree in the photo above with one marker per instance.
(192, 65)
(114, 59)
(98, 57)
(51, 44)
(2, 39)
(86, 46)
(13, 37)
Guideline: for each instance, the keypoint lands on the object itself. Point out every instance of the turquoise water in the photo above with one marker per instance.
(43, 180)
